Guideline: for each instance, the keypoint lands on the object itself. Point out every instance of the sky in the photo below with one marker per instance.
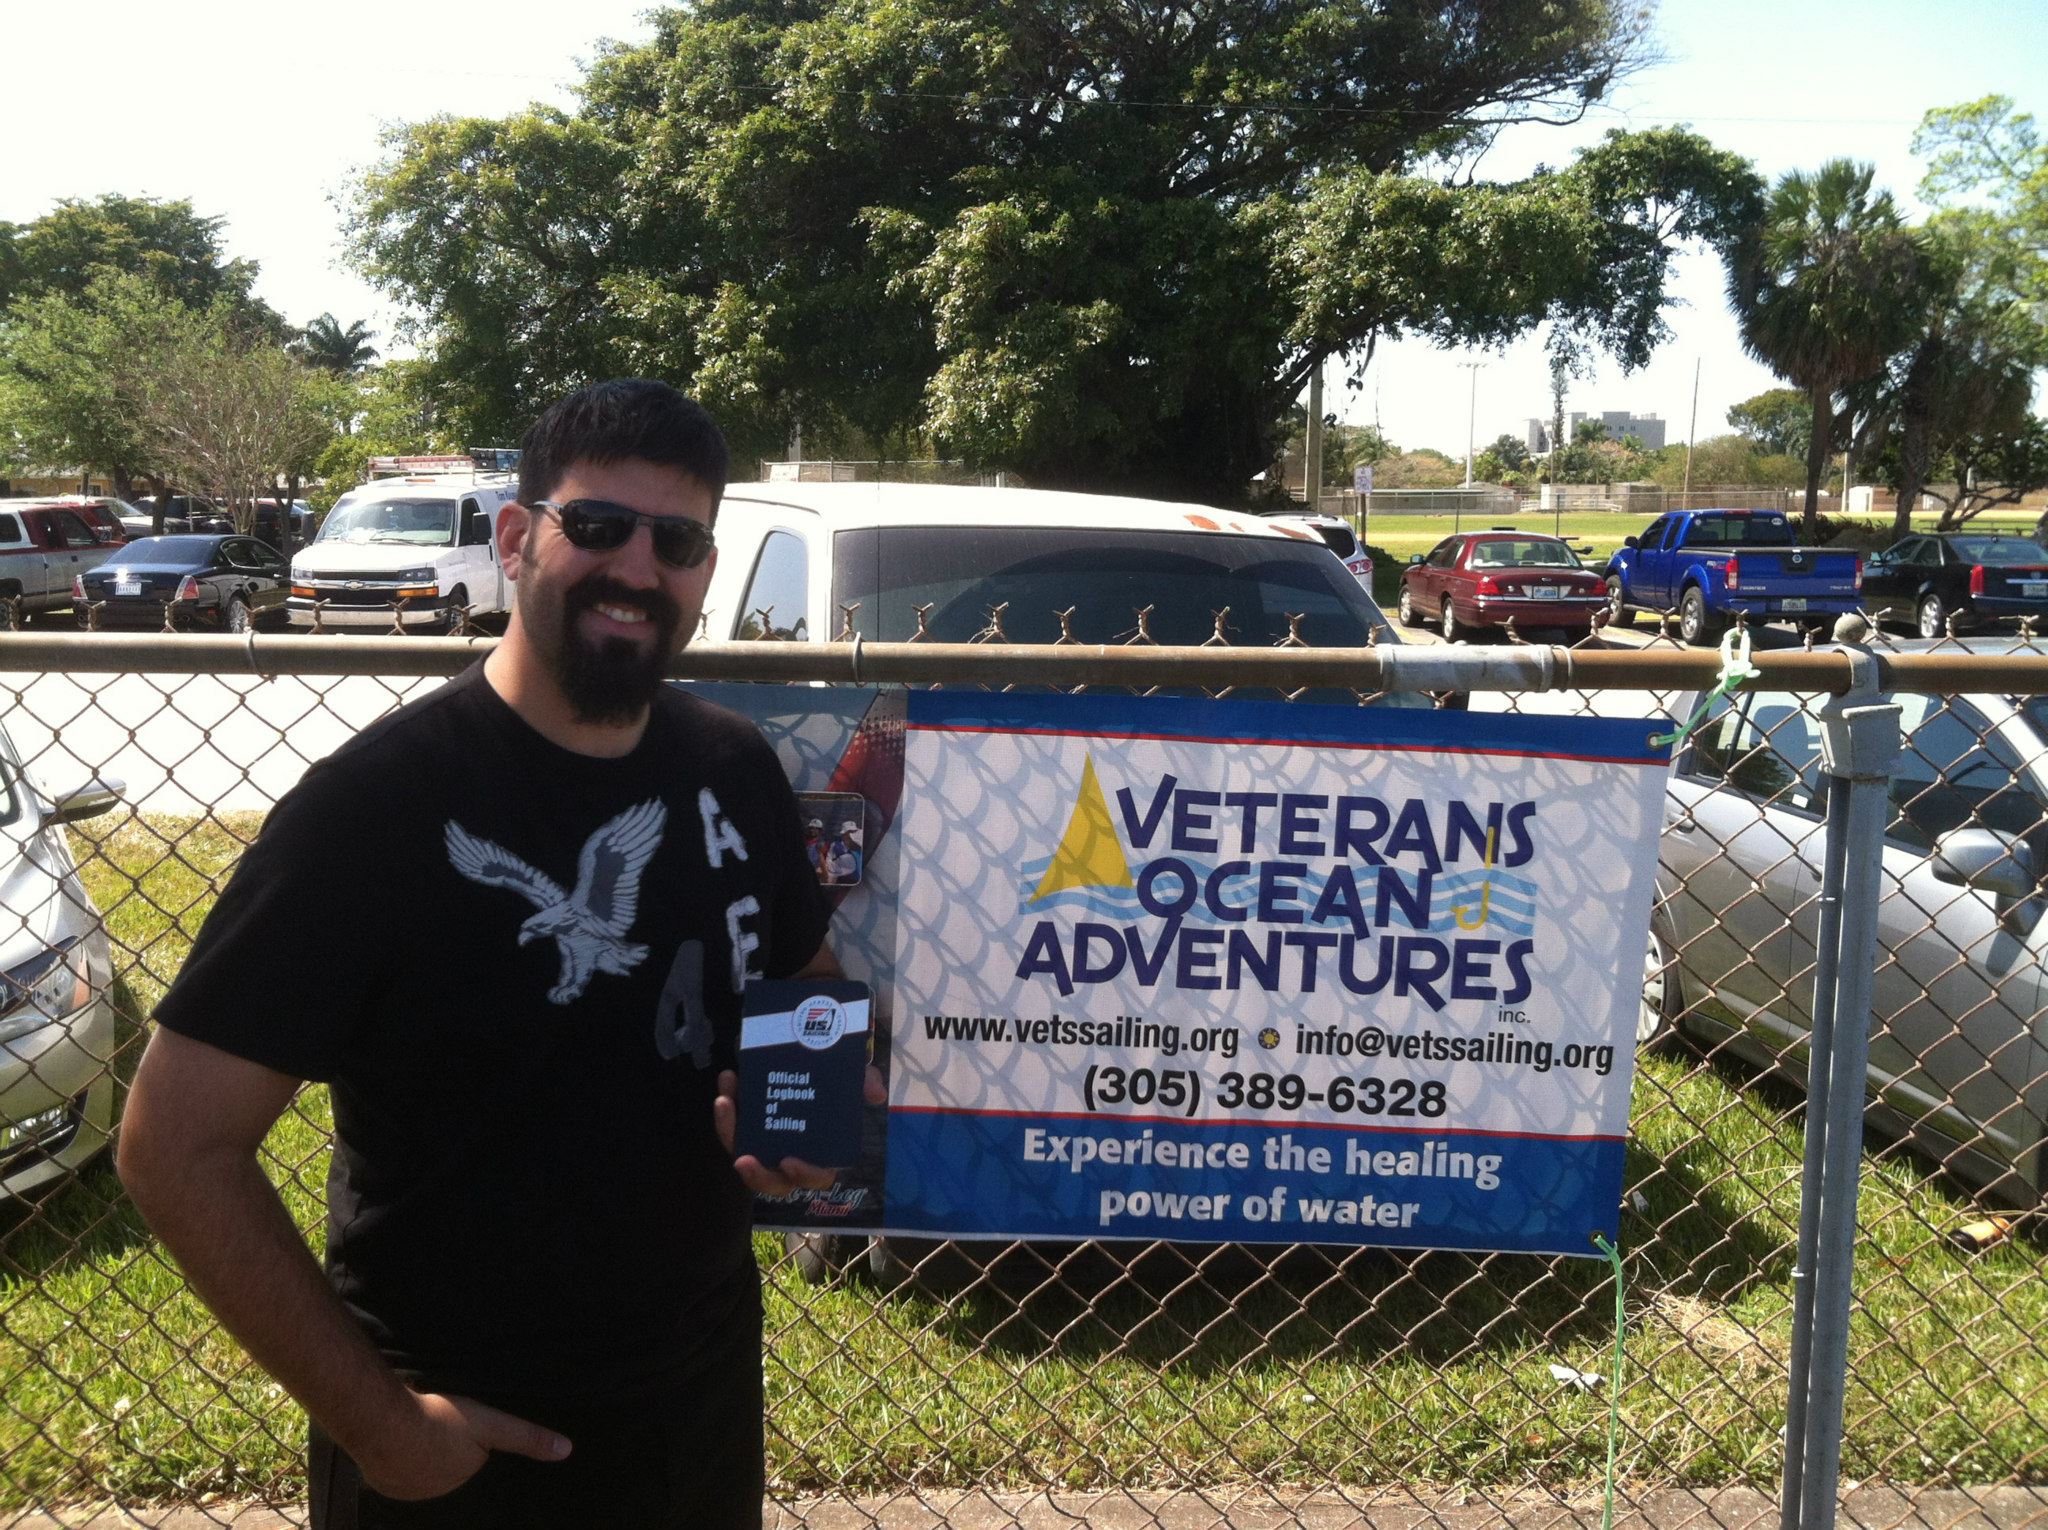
(262, 113)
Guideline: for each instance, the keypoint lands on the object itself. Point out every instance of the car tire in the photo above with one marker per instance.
(237, 616)
(1453, 630)
(1698, 626)
(815, 1255)
(1663, 999)
(457, 619)
(1931, 618)
(1618, 613)
(1410, 617)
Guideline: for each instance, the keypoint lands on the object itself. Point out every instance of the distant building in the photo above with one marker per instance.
(1646, 428)
(1536, 438)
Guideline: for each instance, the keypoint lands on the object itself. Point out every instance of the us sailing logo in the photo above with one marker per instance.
(1089, 872)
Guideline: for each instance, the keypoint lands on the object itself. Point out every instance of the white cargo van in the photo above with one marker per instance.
(409, 552)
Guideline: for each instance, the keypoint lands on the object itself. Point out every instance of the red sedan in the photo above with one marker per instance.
(1478, 579)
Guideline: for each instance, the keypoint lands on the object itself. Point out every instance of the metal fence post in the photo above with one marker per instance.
(1859, 746)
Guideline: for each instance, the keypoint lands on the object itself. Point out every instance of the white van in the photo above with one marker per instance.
(410, 552)
(810, 561)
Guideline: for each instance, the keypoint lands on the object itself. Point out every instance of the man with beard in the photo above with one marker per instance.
(539, 892)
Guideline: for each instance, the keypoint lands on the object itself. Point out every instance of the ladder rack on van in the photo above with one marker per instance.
(480, 464)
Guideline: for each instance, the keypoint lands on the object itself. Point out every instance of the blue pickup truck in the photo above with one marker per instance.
(1712, 566)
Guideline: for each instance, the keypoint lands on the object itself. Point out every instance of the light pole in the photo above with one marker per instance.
(1471, 415)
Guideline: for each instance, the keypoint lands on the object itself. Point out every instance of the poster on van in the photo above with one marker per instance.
(1243, 971)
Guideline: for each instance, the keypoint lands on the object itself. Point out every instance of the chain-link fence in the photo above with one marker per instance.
(1167, 1384)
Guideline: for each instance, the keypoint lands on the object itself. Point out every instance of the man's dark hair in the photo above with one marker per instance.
(624, 419)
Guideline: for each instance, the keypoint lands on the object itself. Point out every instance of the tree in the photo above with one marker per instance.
(1511, 452)
(383, 413)
(230, 417)
(1961, 390)
(1986, 469)
(1823, 292)
(1779, 421)
(1986, 155)
(169, 244)
(326, 345)
(1730, 461)
(71, 368)
(1424, 469)
(1099, 247)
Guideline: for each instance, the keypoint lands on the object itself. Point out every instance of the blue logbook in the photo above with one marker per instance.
(803, 1059)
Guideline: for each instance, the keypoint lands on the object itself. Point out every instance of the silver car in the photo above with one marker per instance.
(57, 1027)
(1956, 1053)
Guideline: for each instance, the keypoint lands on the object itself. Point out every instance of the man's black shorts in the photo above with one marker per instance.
(689, 1461)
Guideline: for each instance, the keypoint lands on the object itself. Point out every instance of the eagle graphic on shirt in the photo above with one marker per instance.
(590, 924)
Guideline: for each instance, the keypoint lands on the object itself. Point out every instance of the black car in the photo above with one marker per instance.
(222, 583)
(1974, 577)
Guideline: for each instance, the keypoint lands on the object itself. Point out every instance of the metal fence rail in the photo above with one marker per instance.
(1177, 1384)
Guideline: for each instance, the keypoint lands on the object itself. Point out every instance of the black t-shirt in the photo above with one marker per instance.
(518, 969)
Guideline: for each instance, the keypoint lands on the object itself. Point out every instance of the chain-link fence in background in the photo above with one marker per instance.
(1146, 1384)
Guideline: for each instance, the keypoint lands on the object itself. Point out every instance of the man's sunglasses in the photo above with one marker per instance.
(598, 525)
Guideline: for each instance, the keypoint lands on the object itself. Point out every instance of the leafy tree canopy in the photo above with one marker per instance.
(1987, 157)
(1732, 461)
(1779, 421)
(63, 252)
(1098, 246)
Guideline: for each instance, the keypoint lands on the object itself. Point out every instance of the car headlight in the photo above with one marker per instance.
(45, 988)
(416, 576)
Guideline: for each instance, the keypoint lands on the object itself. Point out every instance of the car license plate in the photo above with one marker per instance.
(127, 584)
(1546, 592)
(1794, 604)
(2034, 589)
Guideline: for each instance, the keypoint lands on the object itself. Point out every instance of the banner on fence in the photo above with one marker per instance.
(1247, 971)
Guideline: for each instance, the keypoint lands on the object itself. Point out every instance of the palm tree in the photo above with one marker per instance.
(1823, 292)
(344, 352)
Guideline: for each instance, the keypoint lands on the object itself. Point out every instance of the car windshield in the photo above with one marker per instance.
(406, 522)
(180, 550)
(1740, 530)
(2000, 552)
(1507, 552)
(959, 576)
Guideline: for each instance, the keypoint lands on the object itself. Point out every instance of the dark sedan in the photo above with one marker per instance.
(217, 583)
(1973, 577)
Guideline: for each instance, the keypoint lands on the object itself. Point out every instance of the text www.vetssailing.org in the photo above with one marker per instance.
(1499, 1048)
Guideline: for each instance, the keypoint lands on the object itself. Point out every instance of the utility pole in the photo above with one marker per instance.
(1692, 429)
(1312, 444)
(1471, 415)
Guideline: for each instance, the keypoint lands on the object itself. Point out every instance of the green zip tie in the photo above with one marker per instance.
(1614, 1385)
(1735, 668)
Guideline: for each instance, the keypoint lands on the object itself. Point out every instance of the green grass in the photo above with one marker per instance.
(1160, 1367)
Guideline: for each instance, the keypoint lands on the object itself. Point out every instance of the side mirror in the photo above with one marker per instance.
(1630, 542)
(88, 801)
(1414, 558)
(1987, 860)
